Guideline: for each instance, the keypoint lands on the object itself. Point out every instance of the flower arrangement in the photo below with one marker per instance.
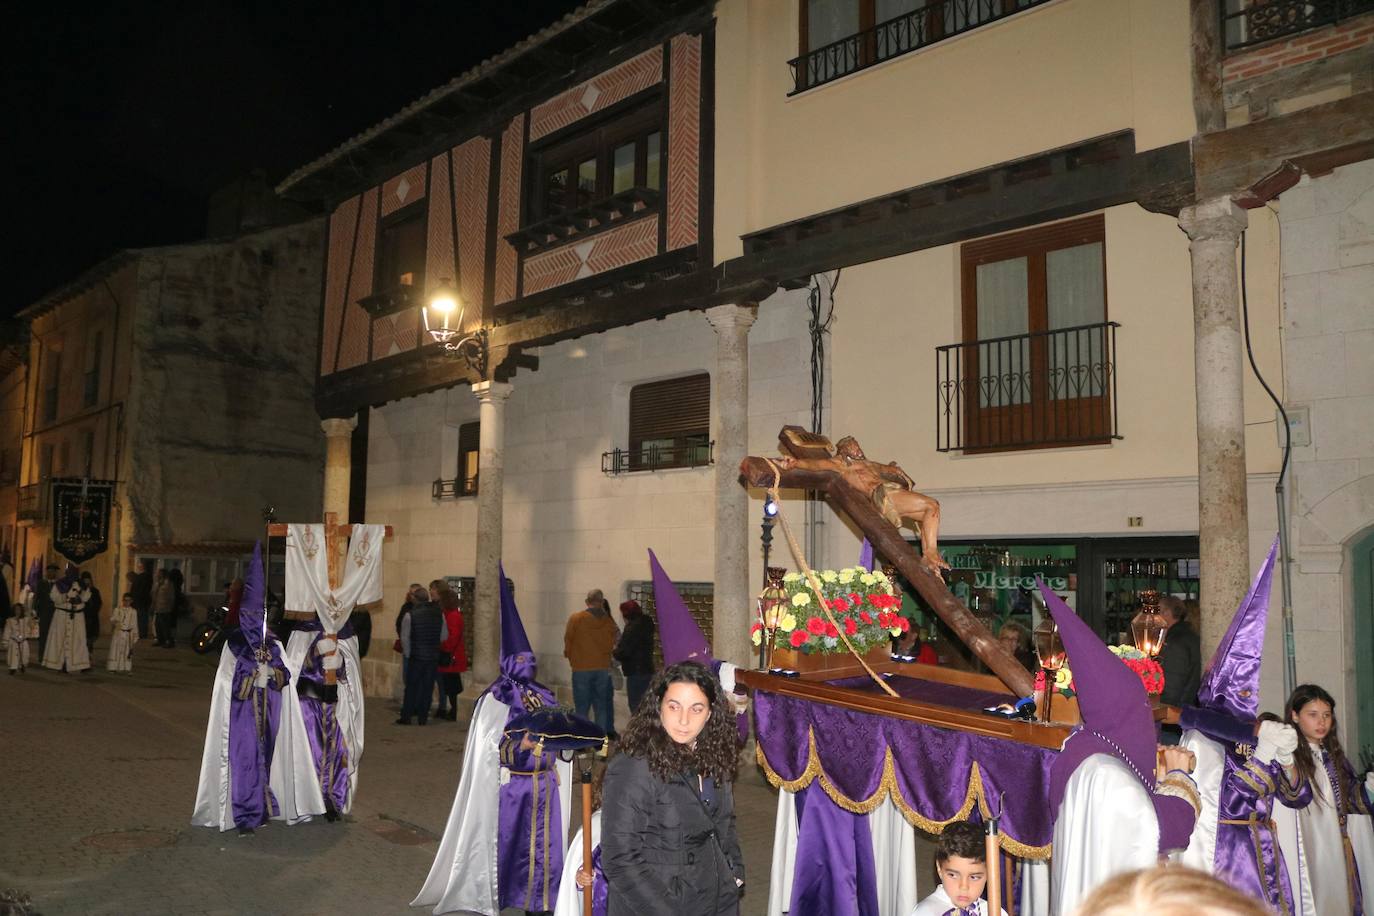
(1147, 669)
(863, 603)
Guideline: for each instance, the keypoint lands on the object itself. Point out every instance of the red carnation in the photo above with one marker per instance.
(904, 624)
(797, 637)
(839, 604)
(815, 625)
(755, 628)
(830, 630)
(865, 617)
(850, 627)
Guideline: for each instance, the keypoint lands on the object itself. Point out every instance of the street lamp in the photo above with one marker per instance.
(443, 318)
(770, 512)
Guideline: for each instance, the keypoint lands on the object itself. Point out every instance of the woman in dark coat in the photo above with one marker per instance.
(668, 840)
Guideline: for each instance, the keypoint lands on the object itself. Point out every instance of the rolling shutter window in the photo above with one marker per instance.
(670, 422)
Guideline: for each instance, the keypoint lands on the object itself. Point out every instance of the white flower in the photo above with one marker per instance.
(828, 575)
(868, 579)
(801, 599)
(792, 577)
(846, 576)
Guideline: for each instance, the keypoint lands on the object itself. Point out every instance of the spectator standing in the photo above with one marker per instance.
(422, 631)
(635, 651)
(1181, 659)
(588, 641)
(163, 605)
(415, 589)
(453, 656)
(92, 610)
(141, 587)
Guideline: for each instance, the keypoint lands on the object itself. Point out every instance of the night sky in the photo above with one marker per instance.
(124, 118)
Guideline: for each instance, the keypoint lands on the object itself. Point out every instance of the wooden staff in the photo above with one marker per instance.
(994, 857)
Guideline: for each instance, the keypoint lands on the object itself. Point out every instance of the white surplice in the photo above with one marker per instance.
(123, 635)
(1091, 840)
(66, 645)
(214, 807)
(570, 896)
(1207, 774)
(295, 780)
(463, 878)
(307, 573)
(17, 641)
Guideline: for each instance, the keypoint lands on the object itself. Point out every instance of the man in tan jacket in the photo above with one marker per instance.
(587, 644)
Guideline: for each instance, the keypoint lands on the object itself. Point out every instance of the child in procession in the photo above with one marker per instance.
(20, 628)
(1328, 866)
(962, 866)
(123, 635)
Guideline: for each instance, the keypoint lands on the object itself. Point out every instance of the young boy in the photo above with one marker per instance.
(19, 629)
(962, 866)
(123, 635)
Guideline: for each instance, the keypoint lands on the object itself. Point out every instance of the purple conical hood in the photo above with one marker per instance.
(681, 638)
(35, 575)
(1230, 682)
(866, 555)
(517, 658)
(252, 604)
(69, 577)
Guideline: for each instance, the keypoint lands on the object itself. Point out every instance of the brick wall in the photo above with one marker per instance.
(1300, 49)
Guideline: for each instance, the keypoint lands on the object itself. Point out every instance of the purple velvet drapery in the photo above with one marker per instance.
(835, 874)
(933, 767)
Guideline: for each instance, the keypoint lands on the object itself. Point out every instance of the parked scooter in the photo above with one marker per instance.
(210, 635)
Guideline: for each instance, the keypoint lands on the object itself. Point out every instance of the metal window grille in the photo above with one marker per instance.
(698, 596)
(1251, 22)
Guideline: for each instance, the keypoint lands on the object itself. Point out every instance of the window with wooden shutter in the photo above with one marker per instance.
(670, 423)
(469, 439)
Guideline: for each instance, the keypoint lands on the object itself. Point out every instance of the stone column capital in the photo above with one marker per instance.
(731, 316)
(338, 427)
(492, 391)
(1215, 219)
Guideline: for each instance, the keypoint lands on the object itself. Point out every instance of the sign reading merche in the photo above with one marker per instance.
(81, 516)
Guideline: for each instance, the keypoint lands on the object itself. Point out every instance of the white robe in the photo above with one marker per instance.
(295, 781)
(1315, 855)
(17, 641)
(570, 896)
(463, 878)
(123, 635)
(214, 805)
(1208, 774)
(939, 903)
(66, 645)
(1090, 842)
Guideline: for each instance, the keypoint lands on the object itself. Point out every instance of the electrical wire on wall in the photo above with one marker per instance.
(1290, 677)
(821, 305)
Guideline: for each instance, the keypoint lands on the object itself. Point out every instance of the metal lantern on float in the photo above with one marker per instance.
(1148, 627)
(772, 602)
(443, 313)
(1049, 648)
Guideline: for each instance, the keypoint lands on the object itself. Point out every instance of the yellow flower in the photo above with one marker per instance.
(788, 622)
(801, 599)
(757, 637)
(828, 575)
(792, 577)
(868, 578)
(1062, 677)
(846, 576)
(895, 631)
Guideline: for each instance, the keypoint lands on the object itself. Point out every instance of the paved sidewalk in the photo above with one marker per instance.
(100, 776)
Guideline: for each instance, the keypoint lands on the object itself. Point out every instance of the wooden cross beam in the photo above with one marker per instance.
(887, 539)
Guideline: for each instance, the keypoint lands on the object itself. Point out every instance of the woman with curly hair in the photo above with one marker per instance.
(668, 841)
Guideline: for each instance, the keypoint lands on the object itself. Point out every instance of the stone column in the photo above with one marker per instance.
(1215, 226)
(730, 406)
(490, 485)
(338, 464)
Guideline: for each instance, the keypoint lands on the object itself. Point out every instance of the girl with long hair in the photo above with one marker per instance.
(668, 840)
(1328, 871)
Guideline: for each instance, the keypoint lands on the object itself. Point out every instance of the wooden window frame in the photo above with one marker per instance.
(689, 432)
(599, 142)
(416, 213)
(469, 443)
(1034, 245)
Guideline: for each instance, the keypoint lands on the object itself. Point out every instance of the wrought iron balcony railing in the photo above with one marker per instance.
(935, 21)
(453, 489)
(1048, 388)
(33, 502)
(1250, 22)
(654, 457)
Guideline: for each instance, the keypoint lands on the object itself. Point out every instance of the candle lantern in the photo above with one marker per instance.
(772, 602)
(1148, 627)
(1049, 649)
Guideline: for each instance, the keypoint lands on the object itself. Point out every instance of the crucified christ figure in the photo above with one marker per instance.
(891, 489)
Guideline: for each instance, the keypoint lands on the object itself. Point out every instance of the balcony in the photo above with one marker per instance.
(911, 31)
(1040, 390)
(454, 489)
(1258, 21)
(33, 503)
(655, 457)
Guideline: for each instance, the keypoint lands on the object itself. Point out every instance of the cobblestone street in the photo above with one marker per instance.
(100, 777)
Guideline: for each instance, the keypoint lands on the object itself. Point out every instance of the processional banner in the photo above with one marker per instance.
(81, 516)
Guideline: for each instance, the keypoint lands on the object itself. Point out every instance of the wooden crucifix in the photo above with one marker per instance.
(336, 549)
(878, 498)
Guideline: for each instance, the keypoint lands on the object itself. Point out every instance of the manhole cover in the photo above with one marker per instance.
(130, 840)
(400, 833)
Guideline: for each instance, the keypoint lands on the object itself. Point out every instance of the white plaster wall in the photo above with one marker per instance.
(1328, 328)
(568, 527)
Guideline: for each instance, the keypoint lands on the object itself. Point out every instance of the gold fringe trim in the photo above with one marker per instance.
(888, 788)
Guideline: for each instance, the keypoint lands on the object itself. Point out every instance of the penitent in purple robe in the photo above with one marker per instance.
(530, 846)
(254, 713)
(328, 746)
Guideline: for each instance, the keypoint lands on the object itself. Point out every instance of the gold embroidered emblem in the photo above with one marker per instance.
(310, 545)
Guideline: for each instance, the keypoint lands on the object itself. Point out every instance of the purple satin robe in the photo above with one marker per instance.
(530, 837)
(254, 713)
(1247, 853)
(328, 748)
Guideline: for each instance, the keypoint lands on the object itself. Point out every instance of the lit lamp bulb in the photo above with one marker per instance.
(1148, 627)
(443, 315)
(1049, 648)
